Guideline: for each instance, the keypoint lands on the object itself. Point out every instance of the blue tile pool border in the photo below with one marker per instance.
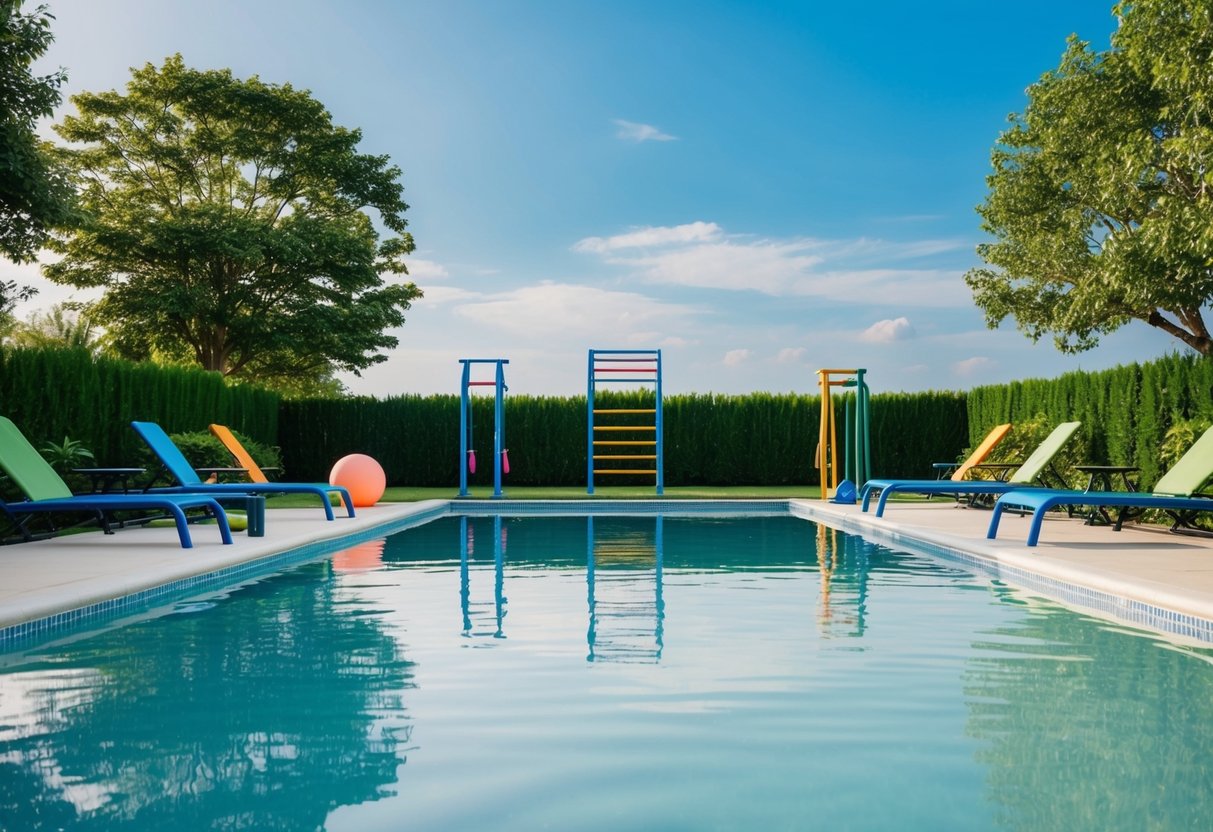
(1127, 610)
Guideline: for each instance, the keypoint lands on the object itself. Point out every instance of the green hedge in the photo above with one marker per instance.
(757, 439)
(1125, 411)
(52, 393)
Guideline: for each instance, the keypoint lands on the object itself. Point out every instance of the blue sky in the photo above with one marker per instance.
(760, 190)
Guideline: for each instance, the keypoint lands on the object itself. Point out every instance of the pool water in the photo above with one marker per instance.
(610, 673)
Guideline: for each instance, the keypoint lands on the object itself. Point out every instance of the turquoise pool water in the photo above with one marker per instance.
(609, 673)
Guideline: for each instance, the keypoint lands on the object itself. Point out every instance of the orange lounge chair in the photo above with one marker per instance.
(996, 435)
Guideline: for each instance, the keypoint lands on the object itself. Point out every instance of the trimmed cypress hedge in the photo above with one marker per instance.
(51, 393)
(756, 439)
(1125, 411)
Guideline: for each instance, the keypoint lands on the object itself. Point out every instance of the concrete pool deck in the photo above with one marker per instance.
(1113, 574)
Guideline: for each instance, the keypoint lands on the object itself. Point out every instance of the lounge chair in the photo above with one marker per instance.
(236, 448)
(1174, 492)
(47, 492)
(1036, 469)
(959, 471)
(189, 482)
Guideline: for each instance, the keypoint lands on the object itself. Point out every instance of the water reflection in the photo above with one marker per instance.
(623, 582)
(842, 561)
(1115, 729)
(365, 557)
(475, 611)
(263, 711)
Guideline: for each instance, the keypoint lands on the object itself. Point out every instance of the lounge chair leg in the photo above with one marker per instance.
(995, 518)
(183, 529)
(884, 498)
(345, 500)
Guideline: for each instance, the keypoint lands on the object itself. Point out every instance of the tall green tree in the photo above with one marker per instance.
(34, 191)
(1101, 200)
(229, 222)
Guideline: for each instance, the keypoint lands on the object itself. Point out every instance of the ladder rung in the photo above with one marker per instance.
(624, 410)
(625, 427)
(652, 472)
(624, 442)
(606, 380)
(624, 456)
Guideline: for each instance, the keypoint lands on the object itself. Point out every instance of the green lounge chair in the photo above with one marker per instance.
(1174, 492)
(1037, 468)
(46, 492)
(190, 483)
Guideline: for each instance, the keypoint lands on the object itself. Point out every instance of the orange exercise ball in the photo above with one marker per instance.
(362, 476)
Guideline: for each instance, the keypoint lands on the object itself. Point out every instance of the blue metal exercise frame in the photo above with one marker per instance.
(624, 367)
(465, 405)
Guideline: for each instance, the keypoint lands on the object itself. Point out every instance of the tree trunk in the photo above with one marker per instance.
(1197, 337)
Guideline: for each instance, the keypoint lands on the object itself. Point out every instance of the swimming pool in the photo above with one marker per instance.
(610, 672)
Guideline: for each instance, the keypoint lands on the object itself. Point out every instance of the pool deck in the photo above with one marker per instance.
(1113, 573)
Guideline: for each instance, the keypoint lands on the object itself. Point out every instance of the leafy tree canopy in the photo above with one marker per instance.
(34, 190)
(1101, 200)
(227, 221)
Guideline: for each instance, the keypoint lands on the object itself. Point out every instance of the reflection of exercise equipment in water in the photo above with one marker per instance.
(467, 548)
(640, 446)
(856, 442)
(843, 564)
(467, 453)
(626, 614)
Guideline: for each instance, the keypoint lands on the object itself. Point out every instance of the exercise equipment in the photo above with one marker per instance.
(467, 455)
(638, 446)
(856, 451)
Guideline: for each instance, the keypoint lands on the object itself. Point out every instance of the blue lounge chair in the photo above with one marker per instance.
(46, 492)
(1174, 492)
(188, 480)
(1036, 469)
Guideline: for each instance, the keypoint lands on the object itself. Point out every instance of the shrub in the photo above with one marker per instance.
(203, 450)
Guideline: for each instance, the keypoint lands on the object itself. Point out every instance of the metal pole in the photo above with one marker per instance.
(498, 428)
(589, 432)
(660, 432)
(463, 429)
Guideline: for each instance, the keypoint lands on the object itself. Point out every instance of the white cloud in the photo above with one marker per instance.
(439, 295)
(702, 255)
(421, 270)
(631, 131)
(650, 236)
(888, 331)
(971, 366)
(675, 341)
(735, 358)
(790, 355)
(584, 313)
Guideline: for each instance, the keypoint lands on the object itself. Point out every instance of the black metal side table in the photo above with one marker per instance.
(109, 479)
(1100, 478)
